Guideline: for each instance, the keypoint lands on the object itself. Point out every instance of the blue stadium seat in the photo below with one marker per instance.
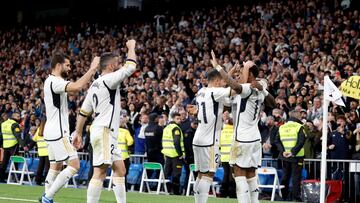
(219, 175)
(183, 177)
(34, 165)
(134, 175)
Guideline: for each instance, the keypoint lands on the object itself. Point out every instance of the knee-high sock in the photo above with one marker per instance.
(253, 189)
(203, 189)
(94, 191)
(60, 181)
(196, 189)
(119, 189)
(242, 189)
(50, 178)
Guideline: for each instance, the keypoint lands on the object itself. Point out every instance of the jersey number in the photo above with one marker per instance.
(112, 149)
(217, 156)
(204, 112)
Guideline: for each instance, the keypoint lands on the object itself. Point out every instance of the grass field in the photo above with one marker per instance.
(13, 193)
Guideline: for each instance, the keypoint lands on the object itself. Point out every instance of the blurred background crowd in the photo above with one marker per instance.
(295, 43)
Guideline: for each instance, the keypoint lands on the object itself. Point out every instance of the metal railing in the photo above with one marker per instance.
(346, 170)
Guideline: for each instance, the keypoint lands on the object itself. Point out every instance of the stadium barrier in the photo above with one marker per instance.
(346, 170)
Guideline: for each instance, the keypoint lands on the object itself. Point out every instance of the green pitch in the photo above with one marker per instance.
(13, 193)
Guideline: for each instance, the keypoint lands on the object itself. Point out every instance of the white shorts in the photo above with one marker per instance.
(105, 146)
(207, 159)
(246, 155)
(61, 150)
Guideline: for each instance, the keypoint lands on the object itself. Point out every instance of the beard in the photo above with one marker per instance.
(64, 74)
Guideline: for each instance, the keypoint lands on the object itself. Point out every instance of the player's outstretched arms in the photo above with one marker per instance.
(228, 79)
(270, 101)
(80, 84)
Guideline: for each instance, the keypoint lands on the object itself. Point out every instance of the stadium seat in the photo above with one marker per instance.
(23, 170)
(159, 181)
(192, 181)
(270, 171)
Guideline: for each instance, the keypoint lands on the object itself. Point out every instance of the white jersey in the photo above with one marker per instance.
(103, 98)
(210, 103)
(56, 104)
(248, 114)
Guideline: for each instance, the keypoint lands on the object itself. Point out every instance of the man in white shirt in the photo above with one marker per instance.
(56, 131)
(245, 154)
(210, 103)
(103, 99)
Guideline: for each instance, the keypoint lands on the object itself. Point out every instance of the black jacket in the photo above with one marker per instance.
(188, 139)
(299, 144)
(153, 137)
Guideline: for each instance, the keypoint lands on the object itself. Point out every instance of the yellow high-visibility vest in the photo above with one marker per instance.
(288, 136)
(226, 138)
(41, 144)
(124, 141)
(168, 141)
(9, 139)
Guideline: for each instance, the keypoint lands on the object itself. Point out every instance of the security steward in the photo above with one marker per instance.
(153, 135)
(290, 143)
(10, 140)
(43, 154)
(174, 152)
(125, 141)
(228, 186)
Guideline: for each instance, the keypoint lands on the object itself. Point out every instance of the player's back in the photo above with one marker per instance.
(210, 104)
(56, 104)
(105, 102)
(248, 115)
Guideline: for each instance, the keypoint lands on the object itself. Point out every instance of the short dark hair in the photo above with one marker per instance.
(254, 70)
(213, 75)
(58, 57)
(173, 115)
(105, 59)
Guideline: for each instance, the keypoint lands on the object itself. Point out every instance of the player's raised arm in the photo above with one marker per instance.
(228, 79)
(125, 71)
(79, 84)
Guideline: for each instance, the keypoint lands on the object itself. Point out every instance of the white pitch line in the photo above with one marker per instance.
(16, 199)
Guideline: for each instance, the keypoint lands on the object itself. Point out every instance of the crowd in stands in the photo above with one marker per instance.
(295, 43)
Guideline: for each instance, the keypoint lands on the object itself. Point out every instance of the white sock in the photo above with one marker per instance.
(94, 191)
(60, 181)
(50, 178)
(119, 189)
(203, 189)
(196, 189)
(254, 190)
(242, 189)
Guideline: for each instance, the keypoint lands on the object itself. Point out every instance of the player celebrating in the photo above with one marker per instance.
(210, 102)
(56, 131)
(103, 98)
(245, 154)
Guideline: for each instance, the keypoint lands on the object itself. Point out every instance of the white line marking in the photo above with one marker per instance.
(16, 199)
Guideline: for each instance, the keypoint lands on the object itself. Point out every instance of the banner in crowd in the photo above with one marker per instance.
(351, 87)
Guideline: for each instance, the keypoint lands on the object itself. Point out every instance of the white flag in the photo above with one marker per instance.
(331, 92)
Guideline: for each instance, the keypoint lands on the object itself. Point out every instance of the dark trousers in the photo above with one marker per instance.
(292, 169)
(127, 166)
(173, 167)
(228, 186)
(8, 152)
(44, 165)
